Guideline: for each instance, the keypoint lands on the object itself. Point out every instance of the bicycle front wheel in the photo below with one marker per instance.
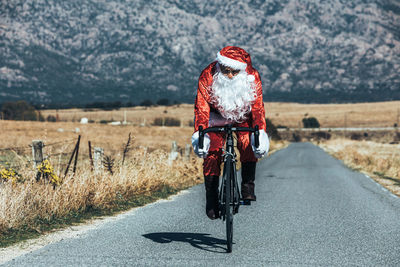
(228, 207)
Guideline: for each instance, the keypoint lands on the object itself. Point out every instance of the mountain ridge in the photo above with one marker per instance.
(126, 51)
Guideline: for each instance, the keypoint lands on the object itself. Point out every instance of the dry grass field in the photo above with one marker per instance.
(377, 114)
(136, 115)
(111, 138)
(379, 161)
(35, 206)
(29, 205)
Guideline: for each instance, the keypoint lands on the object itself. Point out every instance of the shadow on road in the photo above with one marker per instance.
(197, 240)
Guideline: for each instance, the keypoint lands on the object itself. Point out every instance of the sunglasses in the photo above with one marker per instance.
(226, 71)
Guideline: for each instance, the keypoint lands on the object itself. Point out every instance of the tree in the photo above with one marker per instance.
(310, 123)
(20, 110)
(146, 103)
(104, 105)
(130, 104)
(51, 118)
(163, 102)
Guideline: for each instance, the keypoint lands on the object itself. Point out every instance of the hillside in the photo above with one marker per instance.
(85, 51)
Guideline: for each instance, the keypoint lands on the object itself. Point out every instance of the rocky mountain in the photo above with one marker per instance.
(72, 52)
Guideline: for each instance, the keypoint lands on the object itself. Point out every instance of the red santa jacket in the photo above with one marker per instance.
(203, 99)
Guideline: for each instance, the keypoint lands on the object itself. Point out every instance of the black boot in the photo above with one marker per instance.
(211, 182)
(248, 177)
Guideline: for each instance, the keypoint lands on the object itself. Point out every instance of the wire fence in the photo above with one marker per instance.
(69, 141)
(29, 147)
(19, 155)
(15, 148)
(60, 157)
(37, 157)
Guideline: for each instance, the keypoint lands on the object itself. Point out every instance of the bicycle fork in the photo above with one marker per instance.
(235, 197)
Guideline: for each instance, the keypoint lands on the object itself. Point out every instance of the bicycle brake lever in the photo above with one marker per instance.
(256, 137)
(201, 137)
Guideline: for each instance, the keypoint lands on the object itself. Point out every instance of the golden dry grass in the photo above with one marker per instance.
(146, 170)
(380, 161)
(111, 138)
(376, 114)
(135, 115)
(28, 204)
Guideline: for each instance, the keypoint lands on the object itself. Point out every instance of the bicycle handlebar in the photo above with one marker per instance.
(228, 128)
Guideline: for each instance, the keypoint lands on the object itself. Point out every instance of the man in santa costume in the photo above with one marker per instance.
(229, 92)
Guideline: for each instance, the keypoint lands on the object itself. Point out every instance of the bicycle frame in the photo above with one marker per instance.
(229, 159)
(229, 194)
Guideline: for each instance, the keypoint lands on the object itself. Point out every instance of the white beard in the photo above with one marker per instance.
(233, 97)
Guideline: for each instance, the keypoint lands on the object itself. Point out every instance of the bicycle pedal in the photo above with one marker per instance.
(245, 202)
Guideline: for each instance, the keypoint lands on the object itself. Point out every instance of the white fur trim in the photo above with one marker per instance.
(234, 64)
(251, 78)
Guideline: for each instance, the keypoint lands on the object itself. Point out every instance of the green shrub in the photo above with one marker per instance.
(147, 103)
(40, 116)
(158, 122)
(163, 102)
(20, 110)
(310, 123)
(103, 105)
(356, 136)
(51, 118)
(272, 131)
(321, 135)
(296, 137)
(172, 122)
(396, 137)
(168, 121)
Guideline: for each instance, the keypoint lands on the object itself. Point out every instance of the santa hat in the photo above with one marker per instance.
(235, 58)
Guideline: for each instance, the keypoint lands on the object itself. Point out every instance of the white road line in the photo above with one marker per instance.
(382, 187)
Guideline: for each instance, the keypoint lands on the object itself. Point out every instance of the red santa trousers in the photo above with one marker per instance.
(212, 164)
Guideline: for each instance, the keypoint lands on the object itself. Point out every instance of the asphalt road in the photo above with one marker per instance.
(311, 211)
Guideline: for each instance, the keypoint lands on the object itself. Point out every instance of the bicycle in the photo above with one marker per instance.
(229, 197)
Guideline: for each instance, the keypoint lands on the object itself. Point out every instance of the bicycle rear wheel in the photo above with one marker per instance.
(228, 207)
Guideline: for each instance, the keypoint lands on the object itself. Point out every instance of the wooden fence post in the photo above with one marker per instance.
(124, 122)
(174, 152)
(90, 156)
(37, 146)
(188, 149)
(98, 159)
(77, 153)
(74, 154)
(174, 147)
